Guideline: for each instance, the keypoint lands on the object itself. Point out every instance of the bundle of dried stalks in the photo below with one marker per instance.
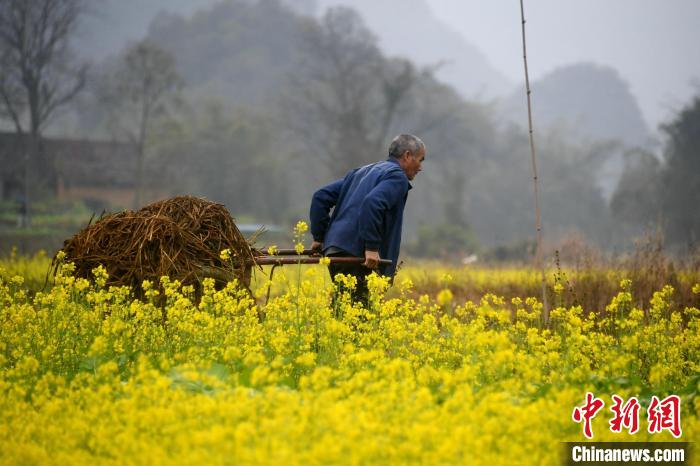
(180, 237)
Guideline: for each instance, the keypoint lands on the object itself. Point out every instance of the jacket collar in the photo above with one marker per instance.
(393, 160)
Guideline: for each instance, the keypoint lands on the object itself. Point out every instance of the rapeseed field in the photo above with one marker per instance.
(90, 375)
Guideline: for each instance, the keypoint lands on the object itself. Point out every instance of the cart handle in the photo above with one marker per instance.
(293, 252)
(276, 260)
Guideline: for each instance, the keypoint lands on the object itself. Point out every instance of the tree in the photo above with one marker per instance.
(680, 177)
(347, 95)
(636, 198)
(38, 73)
(142, 88)
(227, 155)
(450, 238)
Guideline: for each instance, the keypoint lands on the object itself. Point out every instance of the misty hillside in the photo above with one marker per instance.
(239, 51)
(599, 107)
(279, 103)
(414, 31)
(585, 101)
(111, 24)
(263, 56)
(462, 65)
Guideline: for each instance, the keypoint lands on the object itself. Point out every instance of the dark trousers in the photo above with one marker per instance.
(360, 272)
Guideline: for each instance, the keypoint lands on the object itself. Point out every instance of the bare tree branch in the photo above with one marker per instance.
(347, 96)
(38, 76)
(138, 91)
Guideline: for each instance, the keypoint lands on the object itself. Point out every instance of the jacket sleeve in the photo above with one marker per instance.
(322, 202)
(390, 190)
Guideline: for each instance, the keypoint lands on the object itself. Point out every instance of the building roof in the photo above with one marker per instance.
(75, 162)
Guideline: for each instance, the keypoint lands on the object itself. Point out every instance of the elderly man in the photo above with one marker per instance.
(367, 214)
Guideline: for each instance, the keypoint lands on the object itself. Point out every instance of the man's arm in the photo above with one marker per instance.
(390, 190)
(322, 202)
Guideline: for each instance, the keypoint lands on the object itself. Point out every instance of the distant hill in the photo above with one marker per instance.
(585, 100)
(409, 28)
(238, 51)
(413, 32)
(111, 24)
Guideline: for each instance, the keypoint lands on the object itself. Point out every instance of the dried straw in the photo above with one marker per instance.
(180, 238)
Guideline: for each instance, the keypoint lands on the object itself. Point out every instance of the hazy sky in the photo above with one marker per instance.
(654, 44)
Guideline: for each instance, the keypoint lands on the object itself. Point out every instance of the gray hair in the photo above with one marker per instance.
(403, 143)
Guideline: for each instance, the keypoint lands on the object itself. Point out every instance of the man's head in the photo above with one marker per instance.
(409, 150)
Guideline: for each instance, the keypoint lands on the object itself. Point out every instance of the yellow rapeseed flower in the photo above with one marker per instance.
(301, 227)
(225, 254)
(207, 373)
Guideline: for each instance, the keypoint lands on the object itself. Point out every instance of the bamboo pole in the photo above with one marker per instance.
(538, 214)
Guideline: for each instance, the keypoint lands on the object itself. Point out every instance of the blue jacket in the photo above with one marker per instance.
(368, 211)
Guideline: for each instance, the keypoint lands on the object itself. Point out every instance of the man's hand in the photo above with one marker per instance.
(371, 259)
(317, 248)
